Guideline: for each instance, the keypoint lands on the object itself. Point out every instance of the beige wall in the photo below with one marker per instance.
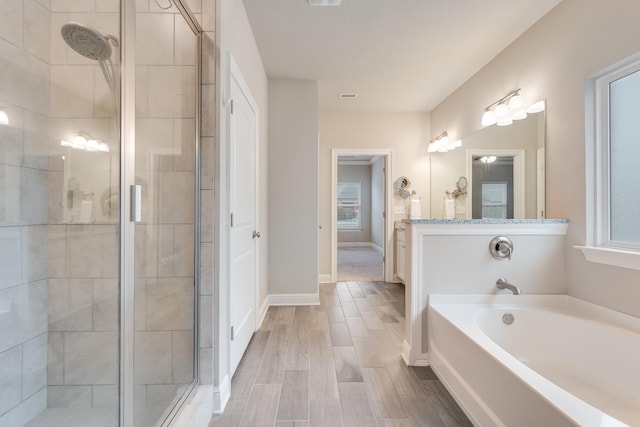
(405, 133)
(551, 60)
(293, 186)
(377, 203)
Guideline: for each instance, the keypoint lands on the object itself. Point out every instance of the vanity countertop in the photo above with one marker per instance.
(486, 221)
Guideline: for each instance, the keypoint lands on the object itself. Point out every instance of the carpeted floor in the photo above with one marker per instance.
(358, 263)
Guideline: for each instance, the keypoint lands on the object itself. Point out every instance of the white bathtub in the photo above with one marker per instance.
(562, 362)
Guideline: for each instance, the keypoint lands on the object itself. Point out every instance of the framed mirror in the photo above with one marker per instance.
(510, 185)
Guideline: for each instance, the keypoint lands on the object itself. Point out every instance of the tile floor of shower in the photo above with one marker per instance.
(337, 364)
(104, 417)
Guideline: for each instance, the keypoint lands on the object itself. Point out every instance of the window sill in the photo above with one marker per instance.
(615, 257)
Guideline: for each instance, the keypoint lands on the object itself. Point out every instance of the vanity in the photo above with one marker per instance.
(454, 257)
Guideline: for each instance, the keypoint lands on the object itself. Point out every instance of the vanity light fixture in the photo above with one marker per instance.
(536, 107)
(85, 143)
(509, 108)
(4, 117)
(441, 144)
(488, 159)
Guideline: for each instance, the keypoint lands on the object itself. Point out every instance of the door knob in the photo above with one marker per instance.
(256, 234)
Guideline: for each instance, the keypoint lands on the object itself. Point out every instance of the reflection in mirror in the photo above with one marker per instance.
(520, 144)
(493, 186)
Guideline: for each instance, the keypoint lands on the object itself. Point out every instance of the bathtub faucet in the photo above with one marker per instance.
(503, 284)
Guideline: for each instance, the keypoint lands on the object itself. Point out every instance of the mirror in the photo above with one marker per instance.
(504, 169)
(402, 185)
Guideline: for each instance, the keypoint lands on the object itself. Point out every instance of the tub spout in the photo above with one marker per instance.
(503, 284)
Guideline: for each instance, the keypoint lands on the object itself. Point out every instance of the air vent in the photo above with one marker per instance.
(347, 95)
(324, 2)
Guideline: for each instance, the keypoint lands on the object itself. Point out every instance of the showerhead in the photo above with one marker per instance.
(86, 41)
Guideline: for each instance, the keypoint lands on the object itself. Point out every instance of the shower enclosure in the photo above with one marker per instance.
(99, 211)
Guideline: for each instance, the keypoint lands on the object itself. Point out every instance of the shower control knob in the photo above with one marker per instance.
(501, 247)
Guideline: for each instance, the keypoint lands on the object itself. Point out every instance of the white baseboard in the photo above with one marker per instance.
(294, 299)
(221, 395)
(355, 244)
(361, 245)
(263, 312)
(198, 411)
(421, 360)
(325, 278)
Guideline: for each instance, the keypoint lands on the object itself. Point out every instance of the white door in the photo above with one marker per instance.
(244, 235)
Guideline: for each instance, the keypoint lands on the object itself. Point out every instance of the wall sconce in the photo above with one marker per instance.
(4, 117)
(509, 108)
(85, 143)
(441, 144)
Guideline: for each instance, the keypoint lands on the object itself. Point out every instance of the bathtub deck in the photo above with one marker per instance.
(337, 364)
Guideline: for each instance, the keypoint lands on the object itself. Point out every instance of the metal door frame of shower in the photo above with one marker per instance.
(127, 226)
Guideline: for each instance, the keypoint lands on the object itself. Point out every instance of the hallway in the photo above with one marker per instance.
(337, 364)
(361, 264)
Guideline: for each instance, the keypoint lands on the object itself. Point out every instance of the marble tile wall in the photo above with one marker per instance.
(24, 95)
(207, 150)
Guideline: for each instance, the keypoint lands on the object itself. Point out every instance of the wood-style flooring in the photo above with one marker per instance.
(337, 365)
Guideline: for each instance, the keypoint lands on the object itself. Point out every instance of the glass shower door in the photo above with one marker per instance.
(165, 168)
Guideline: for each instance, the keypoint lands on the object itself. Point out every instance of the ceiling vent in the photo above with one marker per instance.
(324, 2)
(347, 95)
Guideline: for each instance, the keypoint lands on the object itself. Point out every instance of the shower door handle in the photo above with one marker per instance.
(136, 203)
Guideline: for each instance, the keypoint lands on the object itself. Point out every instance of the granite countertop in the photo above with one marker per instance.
(485, 221)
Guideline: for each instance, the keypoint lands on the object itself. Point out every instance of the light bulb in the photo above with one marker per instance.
(92, 145)
(516, 103)
(536, 107)
(517, 108)
(488, 118)
(4, 117)
(457, 144)
(522, 114)
(503, 116)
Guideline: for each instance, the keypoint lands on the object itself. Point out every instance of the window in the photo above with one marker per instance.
(624, 161)
(613, 165)
(494, 200)
(349, 205)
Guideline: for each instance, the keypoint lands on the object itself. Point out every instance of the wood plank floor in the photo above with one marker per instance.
(337, 365)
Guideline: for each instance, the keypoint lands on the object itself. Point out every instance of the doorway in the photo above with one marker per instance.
(360, 226)
(497, 183)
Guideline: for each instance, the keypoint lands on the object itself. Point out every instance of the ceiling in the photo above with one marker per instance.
(397, 55)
